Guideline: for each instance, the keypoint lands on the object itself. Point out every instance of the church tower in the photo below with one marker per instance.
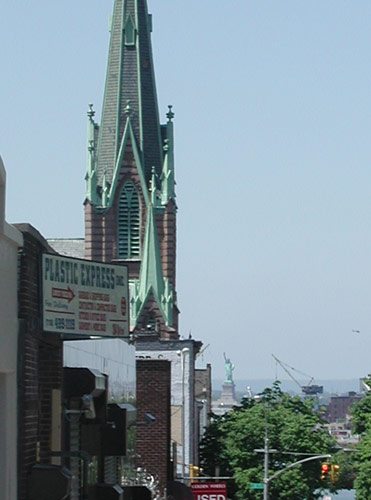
(130, 209)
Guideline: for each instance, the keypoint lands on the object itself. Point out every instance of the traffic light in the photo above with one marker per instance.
(193, 471)
(335, 470)
(324, 470)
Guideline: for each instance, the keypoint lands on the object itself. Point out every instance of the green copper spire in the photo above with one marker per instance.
(104, 189)
(130, 76)
(91, 174)
(127, 135)
(151, 278)
(155, 200)
(130, 176)
(153, 188)
(167, 176)
(151, 270)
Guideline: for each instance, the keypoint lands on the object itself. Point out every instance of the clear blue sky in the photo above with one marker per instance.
(273, 162)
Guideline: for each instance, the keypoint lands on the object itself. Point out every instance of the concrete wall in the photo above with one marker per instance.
(10, 241)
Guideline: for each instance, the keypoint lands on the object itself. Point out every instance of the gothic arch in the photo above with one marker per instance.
(129, 222)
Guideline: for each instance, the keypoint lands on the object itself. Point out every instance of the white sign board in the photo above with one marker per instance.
(83, 297)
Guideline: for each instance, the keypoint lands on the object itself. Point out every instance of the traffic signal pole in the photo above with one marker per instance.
(259, 398)
(267, 479)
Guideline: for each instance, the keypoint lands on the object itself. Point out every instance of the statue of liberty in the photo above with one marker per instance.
(228, 369)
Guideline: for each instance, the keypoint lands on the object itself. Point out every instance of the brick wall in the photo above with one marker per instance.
(168, 251)
(93, 234)
(101, 228)
(339, 407)
(153, 396)
(39, 360)
(101, 235)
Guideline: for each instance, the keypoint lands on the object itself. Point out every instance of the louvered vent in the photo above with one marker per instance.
(128, 220)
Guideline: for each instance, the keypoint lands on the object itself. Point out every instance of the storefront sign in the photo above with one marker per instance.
(209, 491)
(84, 297)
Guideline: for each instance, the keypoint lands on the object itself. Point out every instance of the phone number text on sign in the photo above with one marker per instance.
(84, 297)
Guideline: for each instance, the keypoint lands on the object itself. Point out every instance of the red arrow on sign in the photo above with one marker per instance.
(62, 293)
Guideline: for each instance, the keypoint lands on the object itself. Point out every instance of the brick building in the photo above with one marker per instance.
(339, 406)
(184, 411)
(40, 366)
(153, 397)
(67, 417)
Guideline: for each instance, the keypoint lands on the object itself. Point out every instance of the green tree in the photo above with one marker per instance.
(293, 425)
(361, 420)
(362, 482)
(361, 413)
(347, 472)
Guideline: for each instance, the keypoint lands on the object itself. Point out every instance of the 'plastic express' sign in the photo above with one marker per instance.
(84, 297)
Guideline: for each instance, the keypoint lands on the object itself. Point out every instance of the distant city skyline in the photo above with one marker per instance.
(332, 386)
(272, 121)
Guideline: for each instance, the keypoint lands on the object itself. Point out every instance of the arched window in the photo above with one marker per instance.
(128, 222)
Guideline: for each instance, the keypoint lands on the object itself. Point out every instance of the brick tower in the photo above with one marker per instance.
(130, 209)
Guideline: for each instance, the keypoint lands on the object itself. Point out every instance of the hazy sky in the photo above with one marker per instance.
(272, 119)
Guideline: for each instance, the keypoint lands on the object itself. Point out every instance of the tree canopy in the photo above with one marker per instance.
(295, 430)
(361, 420)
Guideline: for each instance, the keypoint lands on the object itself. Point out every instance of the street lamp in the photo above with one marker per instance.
(182, 354)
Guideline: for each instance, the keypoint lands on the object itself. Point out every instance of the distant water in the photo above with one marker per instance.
(340, 386)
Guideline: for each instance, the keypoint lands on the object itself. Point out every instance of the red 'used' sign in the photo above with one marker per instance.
(209, 491)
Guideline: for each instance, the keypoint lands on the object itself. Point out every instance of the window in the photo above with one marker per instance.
(128, 223)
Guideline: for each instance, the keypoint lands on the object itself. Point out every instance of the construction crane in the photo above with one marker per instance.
(202, 351)
(309, 389)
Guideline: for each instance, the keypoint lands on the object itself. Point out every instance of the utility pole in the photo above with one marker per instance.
(266, 463)
(259, 398)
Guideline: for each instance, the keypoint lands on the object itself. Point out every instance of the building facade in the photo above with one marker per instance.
(203, 401)
(130, 209)
(184, 414)
(153, 437)
(40, 367)
(339, 407)
(10, 241)
(130, 215)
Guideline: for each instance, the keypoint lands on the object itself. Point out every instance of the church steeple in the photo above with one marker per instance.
(130, 77)
(130, 209)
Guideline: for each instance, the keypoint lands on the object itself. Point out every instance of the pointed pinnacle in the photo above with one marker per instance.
(128, 109)
(170, 113)
(91, 112)
(153, 174)
(153, 185)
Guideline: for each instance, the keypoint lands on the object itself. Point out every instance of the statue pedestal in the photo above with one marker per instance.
(228, 393)
(227, 399)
